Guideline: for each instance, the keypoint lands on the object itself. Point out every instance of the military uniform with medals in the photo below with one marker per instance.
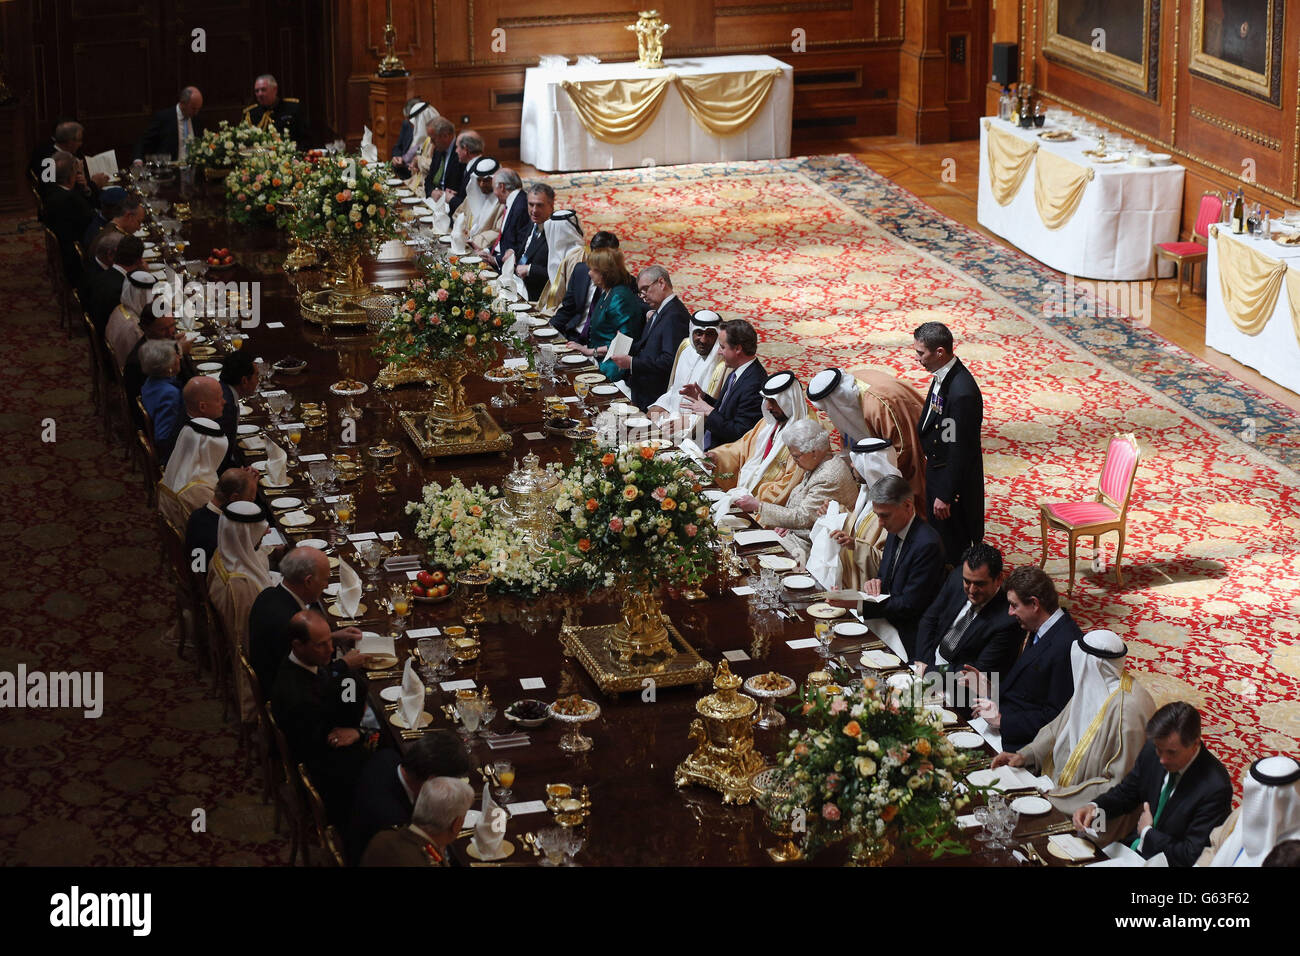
(286, 114)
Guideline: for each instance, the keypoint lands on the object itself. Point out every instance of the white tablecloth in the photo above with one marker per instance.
(1125, 210)
(1274, 352)
(552, 137)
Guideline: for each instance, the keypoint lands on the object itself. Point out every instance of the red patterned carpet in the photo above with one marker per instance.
(833, 269)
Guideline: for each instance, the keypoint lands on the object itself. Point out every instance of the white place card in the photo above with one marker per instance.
(411, 575)
(363, 536)
(743, 591)
(291, 426)
(387, 535)
(454, 685)
(534, 436)
(273, 538)
(274, 392)
(802, 643)
(532, 683)
(569, 399)
(528, 806)
(330, 499)
(734, 656)
(314, 457)
(275, 325)
(419, 632)
(515, 363)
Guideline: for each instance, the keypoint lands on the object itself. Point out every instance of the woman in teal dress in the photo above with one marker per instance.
(618, 308)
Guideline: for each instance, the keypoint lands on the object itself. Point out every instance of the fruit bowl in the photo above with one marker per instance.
(528, 713)
(427, 582)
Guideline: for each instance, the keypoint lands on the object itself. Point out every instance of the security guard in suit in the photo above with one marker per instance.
(286, 113)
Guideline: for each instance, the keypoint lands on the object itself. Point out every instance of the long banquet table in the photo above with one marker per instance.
(638, 816)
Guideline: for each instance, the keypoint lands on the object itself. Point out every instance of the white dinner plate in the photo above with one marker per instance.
(658, 444)
(271, 484)
(317, 543)
(638, 422)
(798, 582)
(877, 659)
(394, 181)
(948, 716)
(279, 503)
(982, 778)
(1031, 806)
(545, 332)
(521, 307)
(571, 359)
(851, 629)
(759, 536)
(243, 430)
(207, 367)
(536, 322)
(259, 466)
(412, 201)
(776, 562)
(392, 693)
(825, 612)
(332, 589)
(966, 740)
(604, 389)
(589, 378)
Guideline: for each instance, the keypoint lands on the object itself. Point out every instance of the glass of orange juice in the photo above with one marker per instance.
(399, 598)
(504, 771)
(344, 511)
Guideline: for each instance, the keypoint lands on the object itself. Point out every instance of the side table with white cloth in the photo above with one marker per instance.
(1252, 303)
(1098, 220)
(620, 115)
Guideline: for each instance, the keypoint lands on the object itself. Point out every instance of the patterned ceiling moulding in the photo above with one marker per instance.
(1243, 50)
(1117, 41)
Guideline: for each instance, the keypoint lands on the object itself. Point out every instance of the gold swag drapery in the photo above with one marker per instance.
(620, 110)
(1059, 185)
(1009, 161)
(1250, 282)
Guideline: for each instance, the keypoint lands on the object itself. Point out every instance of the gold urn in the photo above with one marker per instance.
(529, 502)
(724, 758)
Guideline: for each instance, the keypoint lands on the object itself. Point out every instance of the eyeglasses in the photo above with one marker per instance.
(643, 289)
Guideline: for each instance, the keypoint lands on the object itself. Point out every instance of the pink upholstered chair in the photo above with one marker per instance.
(1108, 511)
(1190, 253)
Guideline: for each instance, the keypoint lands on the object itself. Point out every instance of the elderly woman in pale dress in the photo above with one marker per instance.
(825, 477)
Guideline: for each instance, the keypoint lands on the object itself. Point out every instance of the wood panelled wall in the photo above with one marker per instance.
(1221, 135)
(857, 72)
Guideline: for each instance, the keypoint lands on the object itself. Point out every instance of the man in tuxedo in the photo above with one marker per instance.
(515, 225)
(111, 199)
(320, 714)
(100, 278)
(531, 258)
(446, 172)
(1181, 788)
(270, 110)
(739, 405)
(391, 781)
(67, 141)
(911, 567)
(173, 129)
(469, 147)
(305, 572)
(238, 380)
(235, 484)
(950, 438)
(129, 218)
(968, 625)
(1041, 681)
(106, 286)
(67, 212)
(573, 317)
(646, 368)
(405, 139)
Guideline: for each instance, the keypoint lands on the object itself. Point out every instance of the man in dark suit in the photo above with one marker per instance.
(305, 572)
(968, 625)
(320, 714)
(580, 296)
(130, 214)
(173, 129)
(531, 256)
(667, 321)
(1181, 788)
(950, 437)
(67, 141)
(1040, 682)
(911, 564)
(739, 405)
(67, 213)
(390, 782)
(235, 484)
(446, 172)
(270, 110)
(515, 224)
(405, 136)
(238, 380)
(469, 147)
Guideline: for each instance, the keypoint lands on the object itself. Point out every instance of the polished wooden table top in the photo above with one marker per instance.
(638, 816)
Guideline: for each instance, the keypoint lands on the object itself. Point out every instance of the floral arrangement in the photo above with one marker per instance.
(866, 761)
(220, 148)
(345, 198)
(260, 180)
(628, 512)
(448, 313)
(460, 531)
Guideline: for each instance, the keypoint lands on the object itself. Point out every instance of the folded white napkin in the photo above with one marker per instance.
(689, 446)
(412, 705)
(296, 519)
(489, 832)
(824, 556)
(277, 464)
(887, 633)
(349, 590)
(1071, 846)
(369, 152)
(723, 505)
(441, 217)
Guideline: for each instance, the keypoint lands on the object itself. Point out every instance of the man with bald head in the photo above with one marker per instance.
(235, 484)
(320, 706)
(203, 398)
(305, 574)
(172, 130)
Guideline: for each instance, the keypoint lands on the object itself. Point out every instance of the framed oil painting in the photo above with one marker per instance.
(1238, 43)
(1116, 40)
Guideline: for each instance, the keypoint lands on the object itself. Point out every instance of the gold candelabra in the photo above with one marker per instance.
(390, 65)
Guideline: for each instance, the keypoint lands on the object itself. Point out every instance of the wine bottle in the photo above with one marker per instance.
(1238, 214)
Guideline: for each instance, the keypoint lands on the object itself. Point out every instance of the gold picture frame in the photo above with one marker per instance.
(1098, 37)
(1248, 58)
